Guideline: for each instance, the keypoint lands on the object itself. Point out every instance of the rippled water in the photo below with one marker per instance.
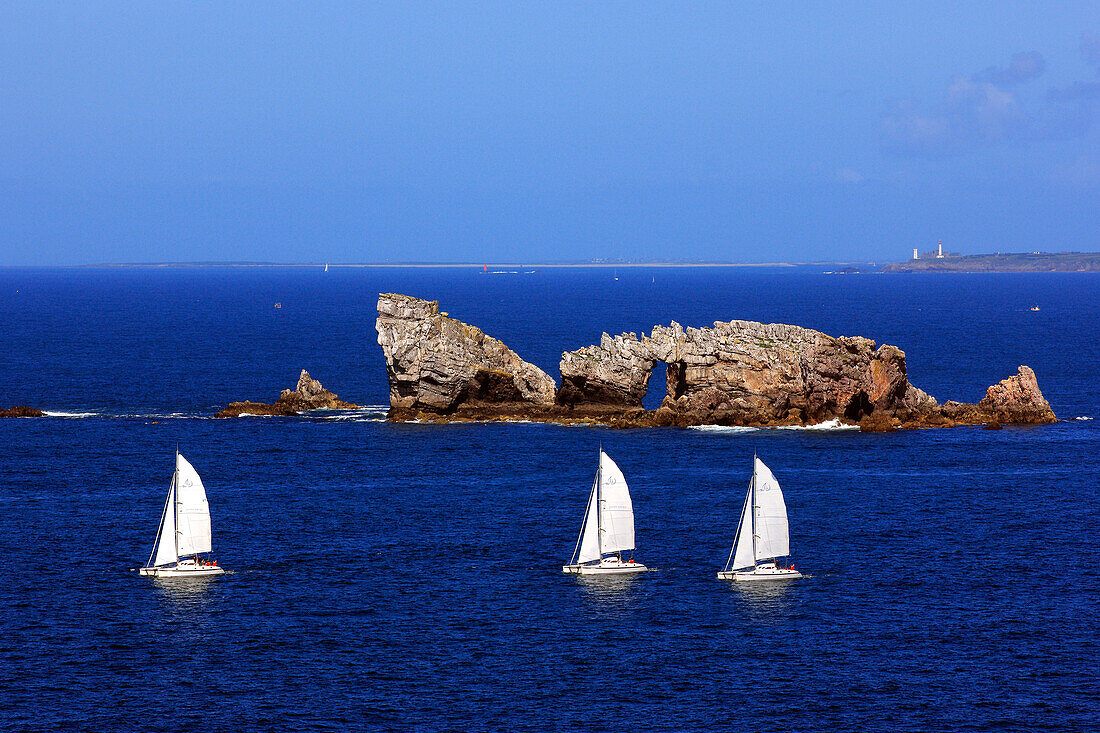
(407, 577)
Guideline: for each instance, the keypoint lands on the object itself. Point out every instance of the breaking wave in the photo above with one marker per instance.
(833, 424)
(724, 428)
(1082, 417)
(369, 413)
(828, 425)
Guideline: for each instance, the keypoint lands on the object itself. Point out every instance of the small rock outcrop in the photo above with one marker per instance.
(22, 411)
(440, 364)
(307, 395)
(310, 395)
(1017, 399)
(734, 373)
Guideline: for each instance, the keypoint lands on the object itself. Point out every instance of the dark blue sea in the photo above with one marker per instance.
(407, 577)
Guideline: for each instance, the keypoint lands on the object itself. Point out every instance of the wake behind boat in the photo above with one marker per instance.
(184, 530)
(763, 535)
(608, 528)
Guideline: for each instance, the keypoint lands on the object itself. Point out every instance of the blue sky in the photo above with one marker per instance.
(388, 132)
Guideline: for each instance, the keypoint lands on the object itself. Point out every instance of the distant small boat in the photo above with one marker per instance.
(608, 528)
(278, 305)
(763, 535)
(1034, 307)
(184, 532)
(326, 267)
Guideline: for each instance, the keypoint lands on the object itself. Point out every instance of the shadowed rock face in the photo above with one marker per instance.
(735, 373)
(438, 364)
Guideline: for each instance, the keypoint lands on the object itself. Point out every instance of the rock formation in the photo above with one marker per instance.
(1016, 399)
(310, 395)
(307, 395)
(22, 411)
(735, 373)
(745, 373)
(440, 364)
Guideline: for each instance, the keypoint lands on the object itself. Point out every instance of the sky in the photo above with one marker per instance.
(540, 132)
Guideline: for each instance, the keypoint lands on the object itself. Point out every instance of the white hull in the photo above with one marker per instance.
(606, 567)
(764, 572)
(187, 571)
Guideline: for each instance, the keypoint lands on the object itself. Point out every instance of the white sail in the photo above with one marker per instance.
(192, 510)
(770, 515)
(166, 542)
(742, 555)
(616, 511)
(590, 543)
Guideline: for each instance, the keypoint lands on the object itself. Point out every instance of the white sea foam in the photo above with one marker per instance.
(833, 424)
(828, 425)
(61, 413)
(369, 413)
(724, 428)
(1082, 417)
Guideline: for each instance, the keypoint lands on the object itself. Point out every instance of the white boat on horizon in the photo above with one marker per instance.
(184, 532)
(763, 534)
(608, 528)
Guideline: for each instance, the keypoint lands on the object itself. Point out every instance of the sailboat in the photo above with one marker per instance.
(763, 536)
(608, 528)
(184, 529)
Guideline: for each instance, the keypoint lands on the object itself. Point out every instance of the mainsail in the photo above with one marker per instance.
(192, 510)
(616, 511)
(769, 515)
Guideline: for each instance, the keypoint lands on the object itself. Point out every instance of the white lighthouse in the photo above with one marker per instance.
(916, 254)
(939, 251)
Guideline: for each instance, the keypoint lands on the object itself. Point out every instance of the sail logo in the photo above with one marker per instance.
(188, 483)
(611, 480)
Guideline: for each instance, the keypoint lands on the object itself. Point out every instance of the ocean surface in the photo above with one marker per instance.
(407, 577)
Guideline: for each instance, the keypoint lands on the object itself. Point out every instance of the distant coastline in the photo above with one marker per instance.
(1003, 262)
(464, 265)
(953, 263)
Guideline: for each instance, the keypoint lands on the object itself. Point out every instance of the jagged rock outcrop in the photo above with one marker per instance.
(746, 373)
(22, 411)
(1016, 399)
(310, 395)
(734, 373)
(440, 364)
(307, 395)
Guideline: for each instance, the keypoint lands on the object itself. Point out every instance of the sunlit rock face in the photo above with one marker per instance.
(746, 373)
(438, 363)
(733, 373)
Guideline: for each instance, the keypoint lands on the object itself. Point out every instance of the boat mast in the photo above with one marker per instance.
(752, 509)
(176, 506)
(599, 501)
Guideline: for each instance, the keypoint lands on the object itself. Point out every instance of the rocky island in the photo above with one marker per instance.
(307, 395)
(734, 373)
(22, 411)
